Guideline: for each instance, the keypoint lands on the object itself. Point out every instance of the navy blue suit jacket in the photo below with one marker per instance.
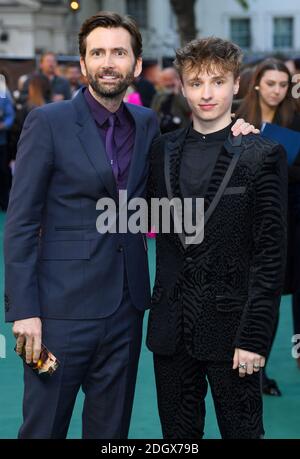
(57, 265)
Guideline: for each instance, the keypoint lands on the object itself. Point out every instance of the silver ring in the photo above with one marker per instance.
(256, 366)
(243, 365)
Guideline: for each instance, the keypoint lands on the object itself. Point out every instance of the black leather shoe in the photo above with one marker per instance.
(270, 388)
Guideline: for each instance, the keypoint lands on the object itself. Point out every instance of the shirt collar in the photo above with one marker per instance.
(99, 112)
(220, 135)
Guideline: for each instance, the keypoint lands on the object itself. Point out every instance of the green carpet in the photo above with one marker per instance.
(281, 414)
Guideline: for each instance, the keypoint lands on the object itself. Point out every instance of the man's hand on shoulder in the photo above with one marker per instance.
(244, 128)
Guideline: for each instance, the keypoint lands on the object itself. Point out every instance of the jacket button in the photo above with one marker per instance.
(120, 248)
(189, 260)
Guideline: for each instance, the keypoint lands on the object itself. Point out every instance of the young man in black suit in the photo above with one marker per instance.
(215, 303)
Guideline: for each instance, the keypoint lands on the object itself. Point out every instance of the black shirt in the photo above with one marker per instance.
(199, 156)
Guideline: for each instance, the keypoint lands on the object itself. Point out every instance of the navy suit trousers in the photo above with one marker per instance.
(101, 357)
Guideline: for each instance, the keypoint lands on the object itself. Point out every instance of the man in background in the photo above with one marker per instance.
(169, 104)
(48, 68)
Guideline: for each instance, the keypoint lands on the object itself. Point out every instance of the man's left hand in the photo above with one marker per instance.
(247, 362)
(244, 128)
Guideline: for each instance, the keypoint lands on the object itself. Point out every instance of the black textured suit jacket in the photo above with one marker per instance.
(224, 293)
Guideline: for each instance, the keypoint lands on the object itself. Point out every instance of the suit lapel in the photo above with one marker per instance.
(93, 145)
(221, 175)
(224, 168)
(172, 160)
(95, 150)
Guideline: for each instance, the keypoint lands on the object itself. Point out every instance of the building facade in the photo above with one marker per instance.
(28, 27)
(266, 27)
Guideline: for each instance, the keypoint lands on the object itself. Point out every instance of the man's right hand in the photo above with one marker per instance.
(29, 332)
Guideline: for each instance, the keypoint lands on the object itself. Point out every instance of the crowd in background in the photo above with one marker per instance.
(156, 88)
(265, 96)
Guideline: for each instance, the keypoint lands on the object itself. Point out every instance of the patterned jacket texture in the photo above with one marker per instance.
(223, 293)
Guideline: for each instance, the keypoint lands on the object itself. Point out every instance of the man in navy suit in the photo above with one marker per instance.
(82, 293)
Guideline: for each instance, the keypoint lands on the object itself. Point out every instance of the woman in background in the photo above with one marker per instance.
(39, 93)
(269, 100)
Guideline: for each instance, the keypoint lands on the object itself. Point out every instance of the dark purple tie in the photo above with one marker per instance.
(110, 145)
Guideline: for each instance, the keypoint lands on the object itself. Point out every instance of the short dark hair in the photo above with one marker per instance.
(208, 53)
(109, 19)
(47, 53)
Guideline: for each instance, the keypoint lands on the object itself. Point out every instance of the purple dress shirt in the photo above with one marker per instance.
(124, 134)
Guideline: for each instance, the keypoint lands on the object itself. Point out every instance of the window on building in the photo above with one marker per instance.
(240, 32)
(283, 32)
(138, 9)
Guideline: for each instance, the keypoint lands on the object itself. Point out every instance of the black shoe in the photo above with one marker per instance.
(270, 388)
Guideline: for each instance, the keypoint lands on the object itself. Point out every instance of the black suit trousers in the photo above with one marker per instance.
(182, 383)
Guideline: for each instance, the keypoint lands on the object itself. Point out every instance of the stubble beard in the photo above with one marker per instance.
(116, 90)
